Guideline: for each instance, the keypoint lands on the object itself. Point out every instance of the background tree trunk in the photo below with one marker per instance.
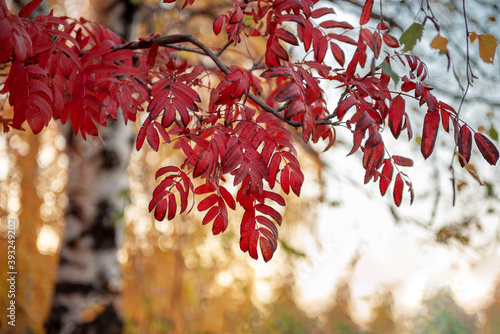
(88, 284)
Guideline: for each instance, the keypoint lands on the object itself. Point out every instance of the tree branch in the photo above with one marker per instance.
(167, 41)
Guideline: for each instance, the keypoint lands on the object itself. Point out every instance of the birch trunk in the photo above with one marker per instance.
(88, 284)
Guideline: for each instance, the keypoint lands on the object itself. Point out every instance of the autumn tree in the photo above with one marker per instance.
(236, 124)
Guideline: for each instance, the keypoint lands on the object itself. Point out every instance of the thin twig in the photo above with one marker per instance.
(470, 80)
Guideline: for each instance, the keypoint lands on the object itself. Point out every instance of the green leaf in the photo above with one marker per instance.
(387, 69)
(493, 133)
(411, 36)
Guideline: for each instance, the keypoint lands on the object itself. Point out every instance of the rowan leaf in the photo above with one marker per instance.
(211, 214)
(366, 12)
(345, 105)
(398, 190)
(402, 161)
(390, 41)
(464, 145)
(29, 8)
(207, 202)
(267, 210)
(386, 177)
(220, 224)
(487, 148)
(338, 53)
(396, 114)
(364, 122)
(266, 248)
(228, 198)
(289, 92)
(373, 140)
(204, 189)
(317, 13)
(429, 133)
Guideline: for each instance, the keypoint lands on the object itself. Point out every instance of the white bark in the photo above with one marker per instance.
(87, 292)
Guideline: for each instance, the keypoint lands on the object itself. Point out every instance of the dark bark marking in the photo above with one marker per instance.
(102, 230)
(53, 323)
(68, 288)
(109, 322)
(110, 159)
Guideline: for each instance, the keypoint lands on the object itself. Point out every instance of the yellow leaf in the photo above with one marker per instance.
(440, 43)
(472, 37)
(487, 47)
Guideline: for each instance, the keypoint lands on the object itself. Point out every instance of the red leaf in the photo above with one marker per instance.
(228, 198)
(396, 114)
(445, 119)
(364, 122)
(140, 138)
(390, 41)
(203, 163)
(286, 36)
(252, 244)
(189, 152)
(266, 249)
(273, 169)
(208, 202)
(218, 24)
(320, 45)
(204, 189)
(321, 11)
(386, 177)
(464, 145)
(366, 13)
(285, 180)
(214, 211)
(335, 24)
(338, 53)
(373, 140)
(289, 92)
(167, 169)
(277, 71)
(429, 133)
(345, 105)
(153, 52)
(343, 38)
(172, 206)
(402, 161)
(152, 137)
(237, 16)
(267, 210)
(296, 179)
(29, 8)
(274, 197)
(487, 149)
(267, 223)
(220, 224)
(398, 190)
(161, 210)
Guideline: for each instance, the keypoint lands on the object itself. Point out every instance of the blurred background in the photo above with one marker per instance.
(348, 260)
